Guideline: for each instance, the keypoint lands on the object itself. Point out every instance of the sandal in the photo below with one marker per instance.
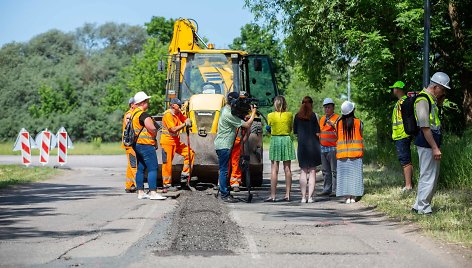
(269, 199)
(286, 199)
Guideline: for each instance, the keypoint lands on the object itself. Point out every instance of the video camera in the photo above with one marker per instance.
(241, 106)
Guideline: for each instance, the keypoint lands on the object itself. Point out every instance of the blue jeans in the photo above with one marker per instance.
(147, 159)
(223, 160)
(403, 151)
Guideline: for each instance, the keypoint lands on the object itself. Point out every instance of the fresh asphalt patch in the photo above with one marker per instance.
(201, 226)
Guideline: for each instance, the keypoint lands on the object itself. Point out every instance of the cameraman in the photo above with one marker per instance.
(225, 136)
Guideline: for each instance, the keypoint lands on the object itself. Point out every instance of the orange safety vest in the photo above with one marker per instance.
(170, 120)
(145, 136)
(328, 132)
(350, 148)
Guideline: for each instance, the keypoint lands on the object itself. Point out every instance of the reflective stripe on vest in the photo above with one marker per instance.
(145, 136)
(398, 130)
(165, 129)
(434, 122)
(350, 148)
(328, 133)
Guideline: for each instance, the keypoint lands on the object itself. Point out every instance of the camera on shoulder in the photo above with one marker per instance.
(241, 106)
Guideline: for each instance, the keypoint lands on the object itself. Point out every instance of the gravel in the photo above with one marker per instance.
(201, 225)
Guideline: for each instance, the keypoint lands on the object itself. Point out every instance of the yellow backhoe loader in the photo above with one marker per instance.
(201, 77)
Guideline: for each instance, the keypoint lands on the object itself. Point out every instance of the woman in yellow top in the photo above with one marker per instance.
(281, 146)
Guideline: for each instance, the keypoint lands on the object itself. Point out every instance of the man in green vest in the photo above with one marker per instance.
(428, 140)
(401, 139)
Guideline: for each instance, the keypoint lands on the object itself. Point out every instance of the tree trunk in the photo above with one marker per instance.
(456, 24)
(464, 76)
(466, 83)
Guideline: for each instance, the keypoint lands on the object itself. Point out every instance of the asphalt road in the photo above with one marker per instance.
(84, 218)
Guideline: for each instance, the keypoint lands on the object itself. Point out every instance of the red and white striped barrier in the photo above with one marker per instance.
(25, 143)
(63, 143)
(45, 141)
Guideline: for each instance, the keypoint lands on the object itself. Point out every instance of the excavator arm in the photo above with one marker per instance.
(185, 37)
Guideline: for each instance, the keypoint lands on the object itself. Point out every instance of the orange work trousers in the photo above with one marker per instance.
(131, 169)
(171, 150)
(236, 174)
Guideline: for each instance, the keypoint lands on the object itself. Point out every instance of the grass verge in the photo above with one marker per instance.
(451, 221)
(80, 148)
(14, 174)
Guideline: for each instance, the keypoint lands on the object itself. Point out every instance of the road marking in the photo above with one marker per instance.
(249, 238)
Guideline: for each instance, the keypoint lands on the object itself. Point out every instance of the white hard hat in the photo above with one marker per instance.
(140, 97)
(442, 79)
(328, 101)
(347, 107)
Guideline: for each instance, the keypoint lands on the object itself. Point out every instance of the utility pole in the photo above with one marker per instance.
(427, 26)
(351, 65)
(349, 82)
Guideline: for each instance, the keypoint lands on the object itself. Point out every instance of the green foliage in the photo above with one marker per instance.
(334, 87)
(81, 80)
(13, 174)
(97, 142)
(456, 167)
(142, 74)
(322, 34)
(161, 29)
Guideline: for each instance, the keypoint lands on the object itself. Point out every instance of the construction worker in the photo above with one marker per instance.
(173, 122)
(236, 173)
(145, 147)
(428, 140)
(401, 139)
(328, 147)
(130, 183)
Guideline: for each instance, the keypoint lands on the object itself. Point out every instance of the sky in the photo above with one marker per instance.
(218, 20)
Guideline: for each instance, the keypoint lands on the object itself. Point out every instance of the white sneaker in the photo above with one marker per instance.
(157, 196)
(311, 200)
(348, 201)
(303, 200)
(143, 196)
(353, 200)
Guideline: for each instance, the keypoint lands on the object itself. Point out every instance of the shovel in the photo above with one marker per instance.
(188, 186)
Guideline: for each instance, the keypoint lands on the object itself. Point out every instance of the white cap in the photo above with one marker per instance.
(442, 79)
(328, 101)
(140, 97)
(347, 107)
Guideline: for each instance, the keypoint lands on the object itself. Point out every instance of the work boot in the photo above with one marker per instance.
(131, 189)
(236, 189)
(229, 199)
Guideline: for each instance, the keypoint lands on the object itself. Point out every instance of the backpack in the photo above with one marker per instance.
(408, 113)
(129, 136)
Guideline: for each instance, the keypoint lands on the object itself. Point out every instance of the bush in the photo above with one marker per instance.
(456, 162)
(97, 142)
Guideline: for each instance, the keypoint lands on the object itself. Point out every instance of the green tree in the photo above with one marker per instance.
(325, 33)
(161, 29)
(142, 74)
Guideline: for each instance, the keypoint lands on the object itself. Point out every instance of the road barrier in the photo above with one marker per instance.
(63, 143)
(46, 141)
(25, 143)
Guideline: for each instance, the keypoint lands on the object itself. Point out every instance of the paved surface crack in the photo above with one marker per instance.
(79, 245)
